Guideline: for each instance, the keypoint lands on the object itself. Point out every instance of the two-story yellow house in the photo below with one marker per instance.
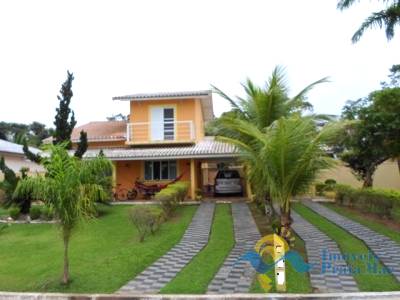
(163, 138)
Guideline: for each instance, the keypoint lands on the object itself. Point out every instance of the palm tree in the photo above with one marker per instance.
(261, 107)
(286, 157)
(388, 18)
(69, 188)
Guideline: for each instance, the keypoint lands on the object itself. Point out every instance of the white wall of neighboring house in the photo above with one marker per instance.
(17, 161)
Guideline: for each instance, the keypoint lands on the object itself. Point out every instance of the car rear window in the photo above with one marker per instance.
(227, 174)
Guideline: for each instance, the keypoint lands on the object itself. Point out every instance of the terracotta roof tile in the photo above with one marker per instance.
(101, 131)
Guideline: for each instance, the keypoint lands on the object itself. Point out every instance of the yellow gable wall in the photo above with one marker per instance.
(185, 110)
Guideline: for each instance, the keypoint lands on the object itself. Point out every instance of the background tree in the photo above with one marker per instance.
(65, 117)
(69, 189)
(387, 18)
(373, 137)
(34, 133)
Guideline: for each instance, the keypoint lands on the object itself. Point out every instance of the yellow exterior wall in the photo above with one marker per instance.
(185, 110)
(386, 176)
(103, 145)
(126, 172)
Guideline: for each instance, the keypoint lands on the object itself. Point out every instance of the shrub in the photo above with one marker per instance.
(320, 188)
(35, 212)
(181, 189)
(384, 203)
(47, 213)
(330, 182)
(171, 196)
(14, 212)
(199, 195)
(146, 220)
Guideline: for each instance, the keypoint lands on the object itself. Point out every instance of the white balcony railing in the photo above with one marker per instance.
(160, 132)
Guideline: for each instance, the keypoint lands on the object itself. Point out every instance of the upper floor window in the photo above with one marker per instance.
(160, 170)
(162, 123)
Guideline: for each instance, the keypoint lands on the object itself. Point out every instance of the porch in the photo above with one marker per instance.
(199, 173)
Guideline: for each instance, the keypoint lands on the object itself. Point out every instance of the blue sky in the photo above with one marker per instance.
(124, 47)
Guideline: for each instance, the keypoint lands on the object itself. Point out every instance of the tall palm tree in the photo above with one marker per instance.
(387, 18)
(261, 107)
(69, 188)
(286, 157)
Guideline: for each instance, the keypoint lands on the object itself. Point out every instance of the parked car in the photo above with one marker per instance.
(228, 182)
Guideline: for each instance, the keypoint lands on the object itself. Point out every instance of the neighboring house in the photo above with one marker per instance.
(15, 159)
(162, 139)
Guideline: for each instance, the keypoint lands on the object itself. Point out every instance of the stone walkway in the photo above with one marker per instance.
(317, 243)
(387, 251)
(236, 276)
(156, 276)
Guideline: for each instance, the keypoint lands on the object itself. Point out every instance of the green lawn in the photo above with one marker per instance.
(348, 244)
(358, 217)
(195, 277)
(295, 282)
(104, 253)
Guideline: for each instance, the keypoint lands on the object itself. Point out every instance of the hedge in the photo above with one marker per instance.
(171, 196)
(384, 203)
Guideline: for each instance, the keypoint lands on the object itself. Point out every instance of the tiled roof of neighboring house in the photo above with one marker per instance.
(101, 131)
(207, 148)
(205, 95)
(9, 147)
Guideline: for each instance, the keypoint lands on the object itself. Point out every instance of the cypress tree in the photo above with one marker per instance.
(65, 117)
(82, 145)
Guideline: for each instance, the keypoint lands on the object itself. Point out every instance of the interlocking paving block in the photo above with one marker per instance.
(235, 275)
(322, 278)
(156, 276)
(385, 249)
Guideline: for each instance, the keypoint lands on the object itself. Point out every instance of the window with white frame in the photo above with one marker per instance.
(160, 170)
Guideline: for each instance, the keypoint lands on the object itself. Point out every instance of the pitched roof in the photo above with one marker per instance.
(207, 148)
(101, 131)
(204, 95)
(9, 147)
(164, 95)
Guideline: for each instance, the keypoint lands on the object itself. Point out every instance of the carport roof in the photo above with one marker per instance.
(207, 148)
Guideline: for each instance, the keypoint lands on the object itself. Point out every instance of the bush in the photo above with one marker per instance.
(47, 213)
(320, 188)
(327, 186)
(35, 212)
(330, 182)
(171, 196)
(384, 203)
(146, 220)
(14, 212)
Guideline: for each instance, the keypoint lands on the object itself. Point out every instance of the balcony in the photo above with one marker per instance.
(174, 132)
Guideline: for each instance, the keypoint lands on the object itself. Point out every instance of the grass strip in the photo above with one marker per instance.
(373, 225)
(195, 277)
(295, 282)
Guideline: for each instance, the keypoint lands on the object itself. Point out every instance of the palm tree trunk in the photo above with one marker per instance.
(66, 236)
(286, 221)
(269, 210)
